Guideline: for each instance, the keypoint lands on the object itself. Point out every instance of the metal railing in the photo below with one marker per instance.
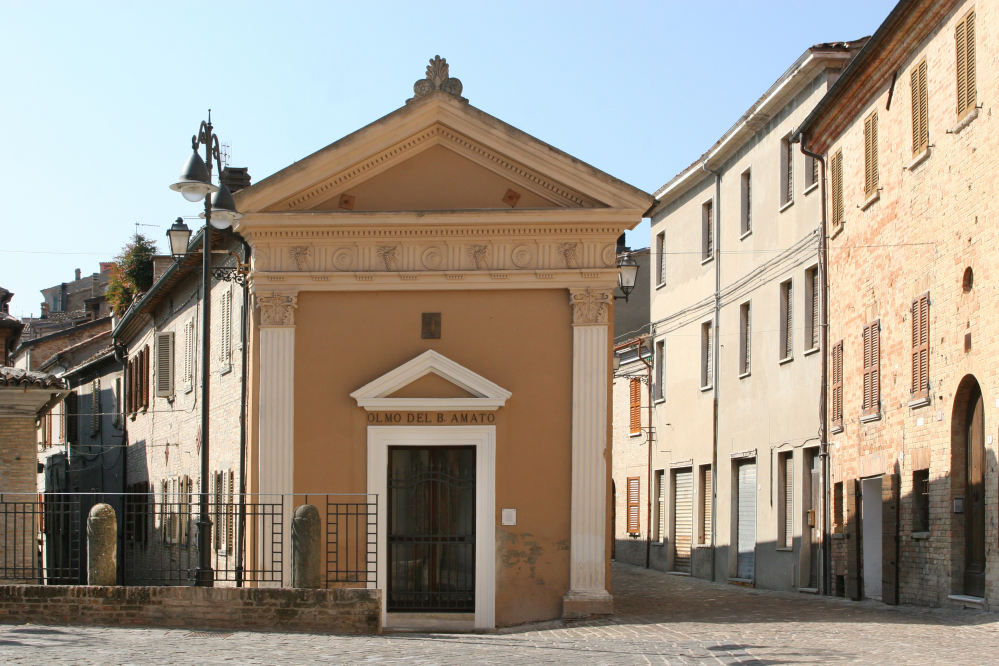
(43, 537)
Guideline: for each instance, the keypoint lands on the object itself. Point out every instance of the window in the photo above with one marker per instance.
(137, 510)
(707, 354)
(811, 172)
(921, 494)
(176, 509)
(116, 419)
(633, 509)
(660, 364)
(745, 339)
(704, 488)
(747, 202)
(836, 175)
(786, 171)
(837, 517)
(661, 258)
(225, 331)
(964, 38)
(812, 308)
(871, 155)
(872, 369)
(786, 321)
(707, 231)
(635, 405)
(95, 407)
(164, 365)
(188, 378)
(70, 411)
(921, 347)
(785, 498)
(660, 507)
(836, 401)
(920, 110)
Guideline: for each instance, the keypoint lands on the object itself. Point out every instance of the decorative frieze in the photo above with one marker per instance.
(277, 309)
(478, 255)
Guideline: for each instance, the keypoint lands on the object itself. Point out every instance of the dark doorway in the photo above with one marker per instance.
(974, 533)
(431, 529)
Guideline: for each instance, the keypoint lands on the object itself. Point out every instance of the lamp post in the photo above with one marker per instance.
(195, 184)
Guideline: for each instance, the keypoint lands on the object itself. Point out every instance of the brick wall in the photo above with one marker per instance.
(18, 474)
(42, 351)
(931, 222)
(348, 611)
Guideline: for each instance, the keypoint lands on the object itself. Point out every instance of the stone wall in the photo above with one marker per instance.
(346, 611)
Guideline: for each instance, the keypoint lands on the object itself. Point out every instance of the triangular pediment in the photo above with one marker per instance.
(437, 153)
(392, 392)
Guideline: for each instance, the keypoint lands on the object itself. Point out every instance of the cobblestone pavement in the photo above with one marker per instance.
(660, 620)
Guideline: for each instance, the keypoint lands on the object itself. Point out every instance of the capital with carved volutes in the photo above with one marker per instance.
(277, 309)
(590, 307)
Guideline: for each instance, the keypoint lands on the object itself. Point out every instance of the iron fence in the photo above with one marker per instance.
(43, 537)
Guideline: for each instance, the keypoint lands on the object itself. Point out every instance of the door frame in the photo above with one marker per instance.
(483, 438)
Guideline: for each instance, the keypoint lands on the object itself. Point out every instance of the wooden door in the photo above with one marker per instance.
(974, 567)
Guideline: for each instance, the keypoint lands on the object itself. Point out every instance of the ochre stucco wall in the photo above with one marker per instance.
(522, 340)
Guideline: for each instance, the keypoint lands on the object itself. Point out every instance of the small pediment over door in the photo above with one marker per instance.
(404, 388)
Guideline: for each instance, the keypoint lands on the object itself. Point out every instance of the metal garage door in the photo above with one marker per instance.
(683, 485)
(746, 538)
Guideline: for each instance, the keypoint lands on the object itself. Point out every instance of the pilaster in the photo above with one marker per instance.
(588, 595)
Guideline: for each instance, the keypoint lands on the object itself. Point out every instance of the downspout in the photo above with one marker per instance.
(244, 354)
(715, 365)
(824, 569)
(648, 515)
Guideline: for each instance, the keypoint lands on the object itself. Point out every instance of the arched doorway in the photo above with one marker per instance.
(968, 467)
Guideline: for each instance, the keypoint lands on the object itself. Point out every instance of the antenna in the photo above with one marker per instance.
(138, 224)
(225, 153)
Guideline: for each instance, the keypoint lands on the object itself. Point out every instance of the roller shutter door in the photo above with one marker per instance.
(746, 538)
(682, 519)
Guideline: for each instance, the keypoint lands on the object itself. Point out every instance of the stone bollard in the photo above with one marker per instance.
(102, 546)
(306, 543)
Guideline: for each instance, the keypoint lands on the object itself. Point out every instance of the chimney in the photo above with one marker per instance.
(160, 265)
(95, 285)
(45, 310)
(106, 266)
(77, 273)
(235, 179)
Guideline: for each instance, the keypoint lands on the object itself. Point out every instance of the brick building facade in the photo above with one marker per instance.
(910, 187)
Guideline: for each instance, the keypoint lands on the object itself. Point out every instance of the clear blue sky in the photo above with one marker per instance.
(100, 100)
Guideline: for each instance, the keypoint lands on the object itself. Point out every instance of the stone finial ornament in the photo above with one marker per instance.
(437, 79)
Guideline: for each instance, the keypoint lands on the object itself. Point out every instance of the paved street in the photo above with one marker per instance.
(661, 620)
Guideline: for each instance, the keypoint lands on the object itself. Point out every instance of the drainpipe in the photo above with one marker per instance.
(715, 365)
(648, 383)
(824, 569)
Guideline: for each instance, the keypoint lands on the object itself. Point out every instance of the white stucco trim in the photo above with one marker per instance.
(487, 395)
(483, 438)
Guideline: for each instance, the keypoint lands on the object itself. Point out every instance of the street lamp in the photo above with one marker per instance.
(195, 184)
(627, 275)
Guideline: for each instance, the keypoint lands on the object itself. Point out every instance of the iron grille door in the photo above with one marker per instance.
(431, 529)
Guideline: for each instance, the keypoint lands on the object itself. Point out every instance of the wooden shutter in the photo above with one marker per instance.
(708, 370)
(815, 309)
(661, 256)
(145, 377)
(836, 174)
(633, 507)
(164, 365)
(788, 323)
(635, 405)
(815, 171)
(871, 154)
(872, 368)
(921, 346)
(788, 499)
(709, 230)
(852, 540)
(890, 501)
(836, 416)
(225, 329)
(920, 110)
(705, 531)
(95, 406)
(964, 38)
(749, 202)
(747, 328)
(789, 194)
(683, 522)
(70, 413)
(230, 517)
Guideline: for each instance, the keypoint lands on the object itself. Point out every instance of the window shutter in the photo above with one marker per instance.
(971, 93)
(633, 508)
(837, 385)
(867, 371)
(790, 170)
(815, 171)
(871, 155)
(710, 231)
(748, 355)
(749, 202)
(661, 256)
(789, 501)
(921, 346)
(837, 189)
(964, 38)
(815, 309)
(95, 406)
(789, 321)
(875, 336)
(225, 329)
(708, 354)
(164, 365)
(72, 417)
(145, 377)
(229, 513)
(920, 110)
(635, 405)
